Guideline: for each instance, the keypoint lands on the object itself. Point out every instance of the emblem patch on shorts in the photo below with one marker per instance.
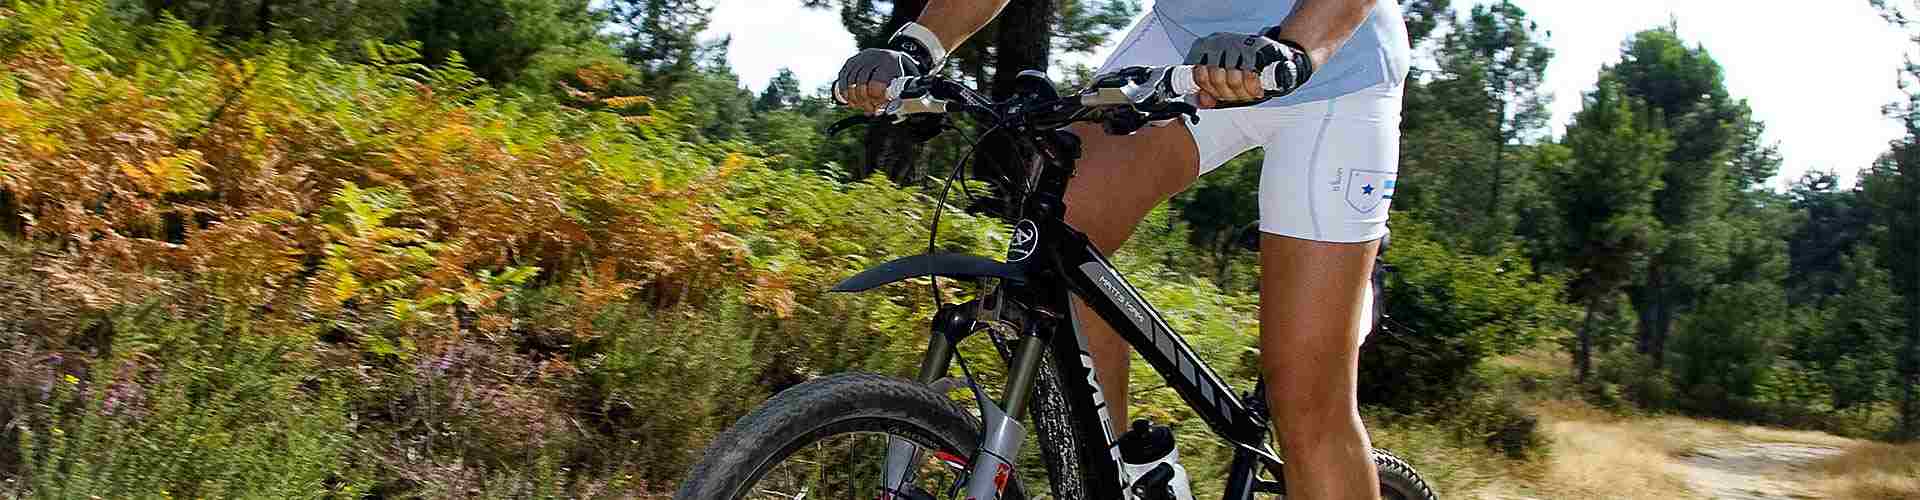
(1367, 189)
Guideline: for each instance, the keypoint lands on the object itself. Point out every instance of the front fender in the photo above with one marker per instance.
(949, 265)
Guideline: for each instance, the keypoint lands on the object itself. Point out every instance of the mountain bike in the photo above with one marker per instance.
(873, 436)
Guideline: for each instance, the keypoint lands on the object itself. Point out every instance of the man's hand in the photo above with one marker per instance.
(863, 79)
(1227, 68)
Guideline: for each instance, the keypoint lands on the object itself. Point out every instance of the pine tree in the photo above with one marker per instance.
(498, 38)
(1686, 86)
(1605, 198)
(783, 92)
(1892, 188)
(1467, 125)
(660, 38)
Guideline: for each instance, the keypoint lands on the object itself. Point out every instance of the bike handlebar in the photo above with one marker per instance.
(1167, 82)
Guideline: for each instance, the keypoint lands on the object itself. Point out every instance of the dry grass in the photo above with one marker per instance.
(1597, 455)
(1873, 471)
(1547, 361)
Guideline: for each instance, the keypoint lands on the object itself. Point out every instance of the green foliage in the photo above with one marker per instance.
(422, 287)
(1891, 187)
(182, 407)
(1450, 310)
(246, 253)
(1725, 347)
(1467, 125)
(498, 38)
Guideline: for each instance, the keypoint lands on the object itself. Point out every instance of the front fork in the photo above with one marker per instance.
(992, 464)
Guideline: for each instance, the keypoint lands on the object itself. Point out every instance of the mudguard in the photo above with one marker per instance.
(948, 265)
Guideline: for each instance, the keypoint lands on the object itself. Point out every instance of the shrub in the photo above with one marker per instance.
(431, 289)
(1448, 311)
(1622, 375)
(183, 407)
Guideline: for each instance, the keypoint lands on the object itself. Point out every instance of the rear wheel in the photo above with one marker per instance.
(828, 438)
(1398, 481)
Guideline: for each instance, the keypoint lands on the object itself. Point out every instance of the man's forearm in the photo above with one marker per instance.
(955, 20)
(1322, 26)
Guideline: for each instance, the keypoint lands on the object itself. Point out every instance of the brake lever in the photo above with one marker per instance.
(920, 128)
(1176, 109)
(850, 122)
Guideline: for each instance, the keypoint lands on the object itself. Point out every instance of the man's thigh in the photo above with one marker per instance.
(1118, 179)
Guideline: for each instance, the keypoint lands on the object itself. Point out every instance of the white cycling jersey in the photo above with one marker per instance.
(1378, 52)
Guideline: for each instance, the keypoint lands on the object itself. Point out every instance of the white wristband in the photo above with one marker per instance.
(927, 39)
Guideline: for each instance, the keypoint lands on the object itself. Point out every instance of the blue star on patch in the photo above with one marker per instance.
(1367, 189)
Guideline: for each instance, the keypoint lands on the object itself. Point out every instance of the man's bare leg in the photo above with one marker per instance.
(1119, 179)
(1310, 316)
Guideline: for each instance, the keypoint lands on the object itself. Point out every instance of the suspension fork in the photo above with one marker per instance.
(951, 322)
(992, 463)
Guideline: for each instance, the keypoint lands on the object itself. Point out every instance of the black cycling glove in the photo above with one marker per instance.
(913, 51)
(1249, 52)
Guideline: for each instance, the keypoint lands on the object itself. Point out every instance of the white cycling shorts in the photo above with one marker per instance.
(1330, 165)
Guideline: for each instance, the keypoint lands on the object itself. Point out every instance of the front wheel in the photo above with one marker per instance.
(1398, 481)
(828, 438)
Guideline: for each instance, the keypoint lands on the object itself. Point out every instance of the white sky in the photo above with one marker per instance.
(1818, 76)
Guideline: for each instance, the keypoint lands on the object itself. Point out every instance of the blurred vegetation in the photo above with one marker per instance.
(517, 249)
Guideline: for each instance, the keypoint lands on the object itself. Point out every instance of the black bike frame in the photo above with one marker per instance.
(1058, 261)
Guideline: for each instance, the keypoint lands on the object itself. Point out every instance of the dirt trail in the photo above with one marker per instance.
(1751, 471)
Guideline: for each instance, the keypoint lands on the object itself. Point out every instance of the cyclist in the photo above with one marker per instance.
(1331, 138)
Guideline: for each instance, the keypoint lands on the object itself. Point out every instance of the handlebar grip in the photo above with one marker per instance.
(924, 103)
(1181, 79)
(899, 86)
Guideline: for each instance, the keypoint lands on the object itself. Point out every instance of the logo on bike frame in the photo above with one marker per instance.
(1026, 238)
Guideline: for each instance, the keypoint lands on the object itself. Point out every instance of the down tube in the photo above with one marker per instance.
(1122, 306)
(1100, 466)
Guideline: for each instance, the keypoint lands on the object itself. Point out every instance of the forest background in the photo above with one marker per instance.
(533, 248)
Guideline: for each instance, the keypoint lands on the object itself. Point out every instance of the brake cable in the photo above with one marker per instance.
(940, 206)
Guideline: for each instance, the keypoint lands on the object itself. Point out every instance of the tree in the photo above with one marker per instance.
(1423, 17)
(495, 38)
(346, 22)
(1606, 198)
(1684, 84)
(1835, 222)
(1892, 188)
(1857, 333)
(1725, 349)
(499, 38)
(1505, 54)
(783, 92)
(660, 38)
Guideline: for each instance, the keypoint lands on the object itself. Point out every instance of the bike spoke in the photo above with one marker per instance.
(852, 466)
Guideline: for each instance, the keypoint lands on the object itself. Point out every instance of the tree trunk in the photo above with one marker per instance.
(1662, 326)
(1024, 42)
(1649, 302)
(1583, 352)
(10, 220)
(891, 150)
(1909, 362)
(263, 18)
(1496, 213)
(1909, 382)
